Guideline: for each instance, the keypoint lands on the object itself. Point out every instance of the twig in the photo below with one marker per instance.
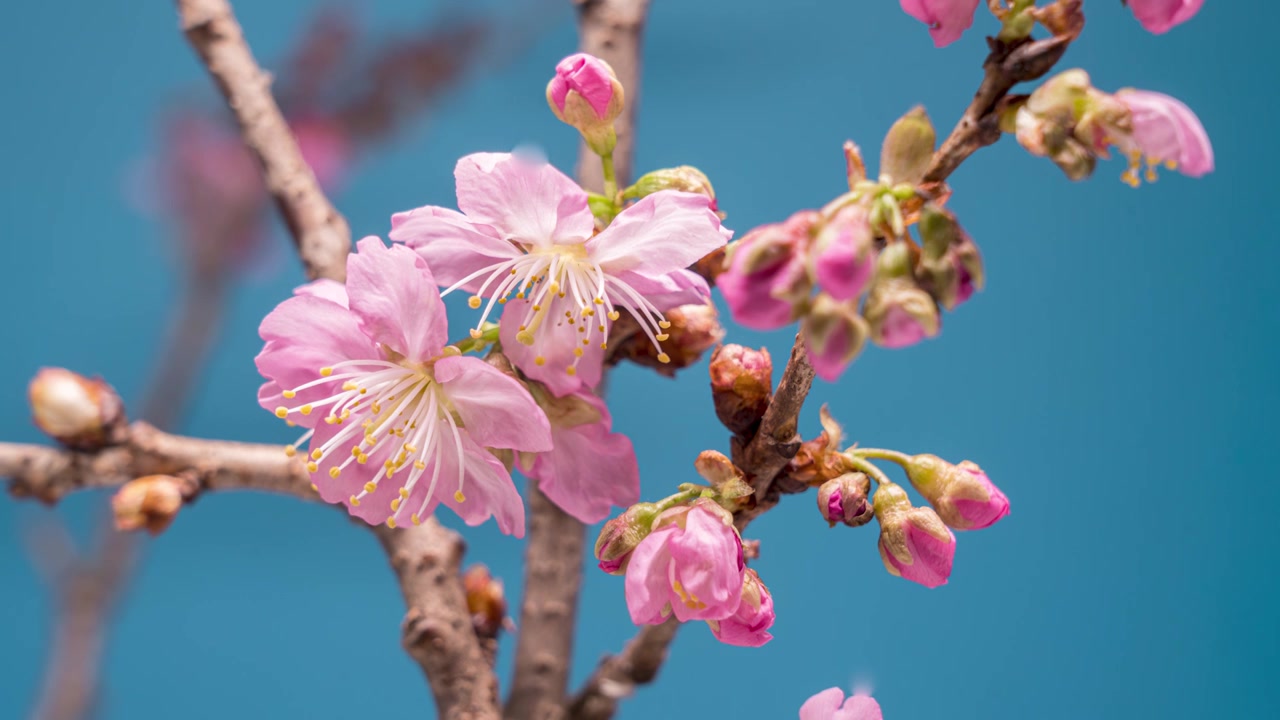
(319, 231)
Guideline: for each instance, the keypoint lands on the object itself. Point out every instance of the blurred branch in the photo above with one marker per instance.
(319, 231)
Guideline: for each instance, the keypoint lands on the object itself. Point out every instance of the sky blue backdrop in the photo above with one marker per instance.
(1117, 378)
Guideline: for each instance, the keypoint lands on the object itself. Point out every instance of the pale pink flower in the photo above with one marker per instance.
(586, 75)
(525, 228)
(767, 276)
(749, 625)
(1159, 16)
(947, 19)
(830, 704)
(914, 542)
(1165, 131)
(691, 565)
(590, 468)
(398, 423)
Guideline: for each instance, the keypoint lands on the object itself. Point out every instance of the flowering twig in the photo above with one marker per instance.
(320, 232)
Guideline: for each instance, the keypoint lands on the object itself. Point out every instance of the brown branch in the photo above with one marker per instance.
(319, 231)
(613, 31)
(437, 630)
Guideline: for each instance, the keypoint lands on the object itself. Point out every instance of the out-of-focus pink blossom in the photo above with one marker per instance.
(830, 704)
(947, 19)
(365, 368)
(1159, 16)
(691, 565)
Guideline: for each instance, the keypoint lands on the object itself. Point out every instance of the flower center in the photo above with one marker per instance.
(380, 404)
(560, 285)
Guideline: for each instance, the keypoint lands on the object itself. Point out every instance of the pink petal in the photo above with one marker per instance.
(555, 340)
(524, 201)
(452, 245)
(676, 288)
(822, 706)
(1166, 129)
(1159, 16)
(647, 587)
(590, 469)
(396, 298)
(487, 488)
(947, 19)
(665, 231)
(496, 410)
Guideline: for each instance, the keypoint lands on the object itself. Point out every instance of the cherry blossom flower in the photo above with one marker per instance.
(525, 228)
(397, 421)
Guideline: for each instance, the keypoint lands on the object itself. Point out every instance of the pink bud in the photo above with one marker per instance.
(766, 278)
(690, 565)
(1165, 131)
(1159, 16)
(830, 704)
(947, 19)
(914, 542)
(963, 495)
(844, 257)
(749, 625)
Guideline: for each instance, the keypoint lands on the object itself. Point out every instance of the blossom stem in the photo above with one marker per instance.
(867, 467)
(882, 454)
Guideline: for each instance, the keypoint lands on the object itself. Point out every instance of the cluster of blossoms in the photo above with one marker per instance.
(818, 265)
(948, 19)
(400, 420)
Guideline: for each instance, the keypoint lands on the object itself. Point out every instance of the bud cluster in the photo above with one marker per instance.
(682, 556)
(852, 271)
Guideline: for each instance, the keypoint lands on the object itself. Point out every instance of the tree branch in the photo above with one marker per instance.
(319, 231)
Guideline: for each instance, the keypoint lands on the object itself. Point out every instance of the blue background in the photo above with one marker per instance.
(1116, 378)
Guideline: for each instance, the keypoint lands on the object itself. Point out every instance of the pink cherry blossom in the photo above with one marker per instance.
(525, 228)
(590, 468)
(947, 19)
(1165, 131)
(397, 422)
(749, 625)
(830, 704)
(767, 276)
(587, 75)
(691, 565)
(1159, 16)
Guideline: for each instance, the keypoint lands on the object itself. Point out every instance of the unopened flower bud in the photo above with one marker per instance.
(684, 178)
(914, 542)
(485, 601)
(741, 386)
(149, 502)
(843, 256)
(963, 495)
(78, 412)
(834, 334)
(844, 500)
(693, 330)
(586, 94)
(819, 460)
(900, 313)
(622, 534)
(908, 147)
(749, 625)
(951, 266)
(767, 280)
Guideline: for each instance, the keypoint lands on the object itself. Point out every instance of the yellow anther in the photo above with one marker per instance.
(458, 496)
(664, 324)
(326, 371)
(370, 486)
(524, 337)
(664, 358)
(474, 302)
(355, 501)
(414, 519)
(305, 409)
(290, 450)
(282, 412)
(614, 315)
(391, 522)
(289, 394)
(577, 352)
(335, 471)
(539, 361)
(316, 454)
(312, 467)
(571, 370)
(476, 334)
